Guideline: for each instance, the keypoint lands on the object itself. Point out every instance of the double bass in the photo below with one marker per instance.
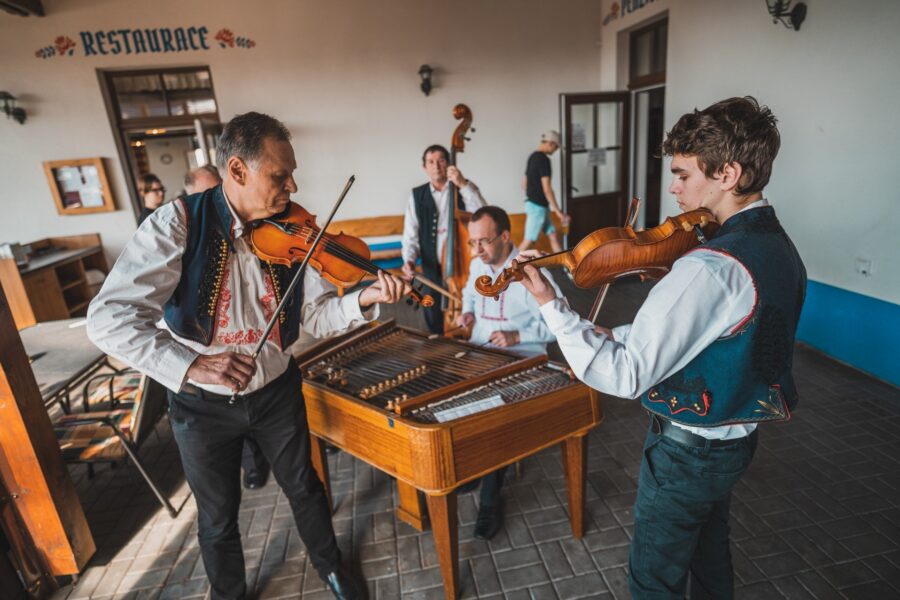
(455, 254)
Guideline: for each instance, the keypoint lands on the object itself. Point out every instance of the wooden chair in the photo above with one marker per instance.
(112, 436)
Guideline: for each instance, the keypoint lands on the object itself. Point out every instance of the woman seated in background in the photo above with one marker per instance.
(153, 194)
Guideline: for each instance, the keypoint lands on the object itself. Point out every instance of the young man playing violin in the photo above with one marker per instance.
(709, 353)
(426, 218)
(187, 302)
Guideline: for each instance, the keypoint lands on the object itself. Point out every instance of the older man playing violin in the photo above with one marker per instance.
(187, 302)
(709, 353)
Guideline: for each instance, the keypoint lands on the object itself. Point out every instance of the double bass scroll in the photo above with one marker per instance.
(455, 255)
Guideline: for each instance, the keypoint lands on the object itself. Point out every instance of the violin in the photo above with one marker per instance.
(613, 252)
(455, 254)
(341, 259)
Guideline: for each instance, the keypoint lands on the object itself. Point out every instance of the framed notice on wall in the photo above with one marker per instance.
(79, 186)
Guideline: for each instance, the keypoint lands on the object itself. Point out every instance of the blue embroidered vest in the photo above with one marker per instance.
(191, 310)
(746, 376)
(427, 213)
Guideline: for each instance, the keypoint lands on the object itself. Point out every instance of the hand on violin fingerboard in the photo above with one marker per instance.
(534, 280)
(387, 290)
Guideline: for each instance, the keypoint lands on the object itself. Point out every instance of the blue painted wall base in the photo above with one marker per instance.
(859, 330)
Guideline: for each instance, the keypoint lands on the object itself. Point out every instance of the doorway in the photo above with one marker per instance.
(648, 131)
(595, 160)
(165, 122)
(647, 79)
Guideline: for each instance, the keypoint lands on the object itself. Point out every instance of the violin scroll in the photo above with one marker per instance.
(485, 286)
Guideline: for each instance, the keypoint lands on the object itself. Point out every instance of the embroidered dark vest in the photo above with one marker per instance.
(427, 213)
(191, 310)
(746, 376)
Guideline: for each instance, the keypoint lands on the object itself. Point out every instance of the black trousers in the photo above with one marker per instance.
(252, 457)
(210, 434)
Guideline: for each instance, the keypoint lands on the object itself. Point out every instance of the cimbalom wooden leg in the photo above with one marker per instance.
(442, 510)
(574, 451)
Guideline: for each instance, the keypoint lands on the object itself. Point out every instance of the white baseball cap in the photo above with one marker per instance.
(551, 136)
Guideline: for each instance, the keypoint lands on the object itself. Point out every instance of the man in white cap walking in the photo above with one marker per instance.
(539, 196)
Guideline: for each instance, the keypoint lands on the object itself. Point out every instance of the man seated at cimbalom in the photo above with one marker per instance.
(512, 322)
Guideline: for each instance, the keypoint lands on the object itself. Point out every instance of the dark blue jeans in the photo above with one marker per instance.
(210, 434)
(681, 518)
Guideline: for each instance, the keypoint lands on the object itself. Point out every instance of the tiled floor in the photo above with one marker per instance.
(817, 515)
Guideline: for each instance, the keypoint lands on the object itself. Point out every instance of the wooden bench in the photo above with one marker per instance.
(392, 225)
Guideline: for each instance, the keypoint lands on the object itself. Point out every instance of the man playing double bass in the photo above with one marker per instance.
(425, 222)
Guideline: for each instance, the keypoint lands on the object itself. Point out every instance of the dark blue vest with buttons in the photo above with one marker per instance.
(427, 213)
(191, 310)
(746, 376)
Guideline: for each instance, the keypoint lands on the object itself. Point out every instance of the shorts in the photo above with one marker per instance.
(537, 220)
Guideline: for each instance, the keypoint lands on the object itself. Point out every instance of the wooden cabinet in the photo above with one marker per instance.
(54, 285)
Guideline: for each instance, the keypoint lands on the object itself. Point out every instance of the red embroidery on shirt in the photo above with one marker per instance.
(222, 319)
(269, 305)
(485, 316)
(240, 337)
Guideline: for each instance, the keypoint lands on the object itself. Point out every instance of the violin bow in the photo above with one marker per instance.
(634, 208)
(296, 279)
(440, 290)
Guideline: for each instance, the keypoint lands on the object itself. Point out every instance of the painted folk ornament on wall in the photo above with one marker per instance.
(621, 8)
(157, 40)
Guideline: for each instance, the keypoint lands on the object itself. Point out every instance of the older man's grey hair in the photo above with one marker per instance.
(244, 135)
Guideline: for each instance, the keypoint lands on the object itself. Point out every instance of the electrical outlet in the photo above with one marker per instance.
(864, 266)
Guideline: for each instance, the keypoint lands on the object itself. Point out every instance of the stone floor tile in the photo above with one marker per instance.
(591, 585)
(848, 574)
(521, 577)
(763, 590)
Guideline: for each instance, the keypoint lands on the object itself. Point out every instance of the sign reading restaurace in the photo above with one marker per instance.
(137, 41)
(141, 41)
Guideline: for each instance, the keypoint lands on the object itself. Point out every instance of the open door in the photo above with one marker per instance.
(595, 157)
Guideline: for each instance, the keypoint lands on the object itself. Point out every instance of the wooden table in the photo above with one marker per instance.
(61, 357)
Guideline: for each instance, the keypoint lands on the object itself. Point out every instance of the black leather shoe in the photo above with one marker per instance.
(342, 585)
(255, 479)
(488, 522)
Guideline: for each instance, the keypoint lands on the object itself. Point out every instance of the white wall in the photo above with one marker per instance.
(341, 74)
(833, 86)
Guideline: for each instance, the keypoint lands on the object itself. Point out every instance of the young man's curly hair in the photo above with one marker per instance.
(733, 130)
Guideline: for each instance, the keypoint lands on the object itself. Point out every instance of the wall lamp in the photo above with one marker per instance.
(425, 73)
(790, 17)
(9, 107)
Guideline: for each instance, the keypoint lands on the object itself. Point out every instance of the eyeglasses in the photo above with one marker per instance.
(161, 190)
(482, 242)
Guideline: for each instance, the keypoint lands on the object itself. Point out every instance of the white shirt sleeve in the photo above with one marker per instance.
(410, 241)
(471, 196)
(705, 296)
(122, 319)
(325, 314)
(469, 293)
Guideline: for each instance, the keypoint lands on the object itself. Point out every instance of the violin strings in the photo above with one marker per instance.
(344, 253)
(340, 251)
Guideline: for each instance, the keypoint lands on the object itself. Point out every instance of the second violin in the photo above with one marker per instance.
(612, 252)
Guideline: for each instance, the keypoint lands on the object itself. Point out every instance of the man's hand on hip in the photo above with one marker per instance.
(230, 369)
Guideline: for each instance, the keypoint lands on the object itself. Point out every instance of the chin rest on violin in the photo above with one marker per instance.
(612, 252)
